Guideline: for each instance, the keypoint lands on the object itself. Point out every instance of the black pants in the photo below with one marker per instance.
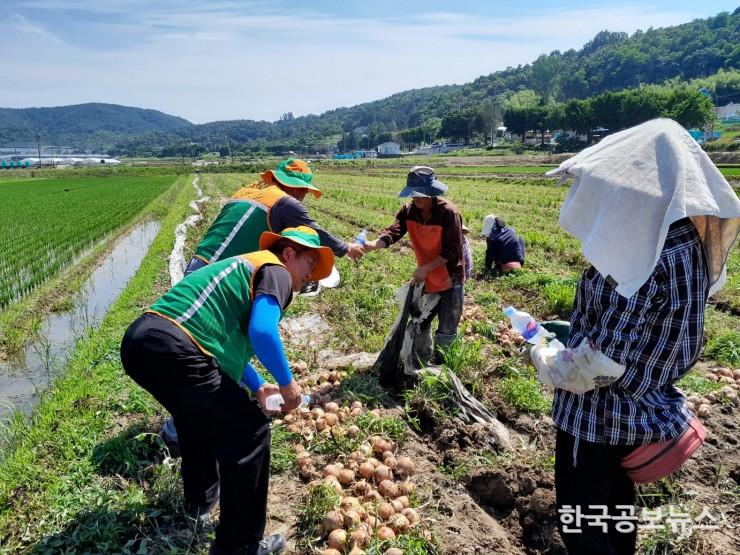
(223, 435)
(597, 479)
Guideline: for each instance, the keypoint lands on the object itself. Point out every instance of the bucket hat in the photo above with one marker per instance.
(293, 173)
(422, 182)
(307, 237)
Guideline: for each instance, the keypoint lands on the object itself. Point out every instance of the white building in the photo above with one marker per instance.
(729, 112)
(389, 149)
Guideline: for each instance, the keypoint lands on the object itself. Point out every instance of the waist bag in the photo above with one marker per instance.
(651, 462)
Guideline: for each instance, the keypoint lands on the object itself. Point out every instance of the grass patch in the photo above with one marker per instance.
(462, 468)
(560, 296)
(694, 382)
(412, 543)
(464, 359)
(318, 501)
(282, 455)
(364, 386)
(725, 349)
(427, 404)
(522, 390)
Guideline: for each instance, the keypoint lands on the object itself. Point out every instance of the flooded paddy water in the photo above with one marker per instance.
(24, 377)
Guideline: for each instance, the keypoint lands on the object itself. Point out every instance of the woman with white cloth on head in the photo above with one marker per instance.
(657, 221)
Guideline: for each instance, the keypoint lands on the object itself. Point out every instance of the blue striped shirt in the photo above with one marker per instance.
(656, 334)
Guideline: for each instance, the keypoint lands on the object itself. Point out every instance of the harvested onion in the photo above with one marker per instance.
(381, 473)
(405, 466)
(333, 520)
(337, 539)
(385, 533)
(385, 511)
(346, 477)
(388, 489)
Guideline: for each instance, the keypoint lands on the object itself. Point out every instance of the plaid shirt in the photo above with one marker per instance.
(656, 334)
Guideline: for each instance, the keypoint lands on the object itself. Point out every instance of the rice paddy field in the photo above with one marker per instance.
(364, 470)
(48, 222)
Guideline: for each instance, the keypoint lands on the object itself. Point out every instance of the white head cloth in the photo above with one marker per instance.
(629, 188)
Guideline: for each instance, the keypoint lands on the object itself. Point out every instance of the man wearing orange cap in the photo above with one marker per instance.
(271, 204)
(192, 349)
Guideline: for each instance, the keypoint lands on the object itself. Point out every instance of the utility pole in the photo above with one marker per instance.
(38, 146)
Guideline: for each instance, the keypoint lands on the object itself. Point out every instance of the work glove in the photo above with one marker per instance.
(576, 370)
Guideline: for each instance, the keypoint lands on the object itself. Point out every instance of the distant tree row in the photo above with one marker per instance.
(611, 111)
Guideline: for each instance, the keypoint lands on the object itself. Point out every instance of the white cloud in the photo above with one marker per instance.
(222, 60)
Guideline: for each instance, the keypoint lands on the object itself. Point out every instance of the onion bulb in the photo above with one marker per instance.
(366, 470)
(398, 523)
(351, 518)
(385, 511)
(381, 473)
(411, 515)
(388, 489)
(359, 538)
(331, 470)
(405, 466)
(385, 533)
(346, 477)
(337, 539)
(333, 520)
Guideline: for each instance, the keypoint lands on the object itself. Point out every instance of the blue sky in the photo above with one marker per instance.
(225, 59)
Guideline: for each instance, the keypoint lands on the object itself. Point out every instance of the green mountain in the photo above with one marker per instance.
(91, 126)
(609, 62)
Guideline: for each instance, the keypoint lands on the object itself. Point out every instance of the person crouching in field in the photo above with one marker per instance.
(271, 204)
(434, 225)
(504, 248)
(637, 323)
(192, 349)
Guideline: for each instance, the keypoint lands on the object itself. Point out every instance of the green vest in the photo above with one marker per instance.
(238, 227)
(213, 306)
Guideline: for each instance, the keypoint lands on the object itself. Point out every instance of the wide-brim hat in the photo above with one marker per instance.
(293, 173)
(307, 237)
(422, 182)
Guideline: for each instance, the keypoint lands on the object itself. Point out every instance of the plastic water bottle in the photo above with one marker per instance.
(275, 401)
(526, 325)
(361, 237)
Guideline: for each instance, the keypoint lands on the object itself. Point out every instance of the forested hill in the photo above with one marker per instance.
(610, 61)
(92, 125)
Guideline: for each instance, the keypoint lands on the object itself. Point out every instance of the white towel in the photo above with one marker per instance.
(631, 187)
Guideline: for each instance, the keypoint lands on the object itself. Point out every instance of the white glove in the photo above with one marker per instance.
(576, 370)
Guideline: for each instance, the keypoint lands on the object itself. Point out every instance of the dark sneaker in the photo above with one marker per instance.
(310, 289)
(269, 545)
(202, 512)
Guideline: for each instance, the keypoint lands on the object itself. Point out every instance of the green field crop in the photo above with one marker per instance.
(363, 310)
(46, 223)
